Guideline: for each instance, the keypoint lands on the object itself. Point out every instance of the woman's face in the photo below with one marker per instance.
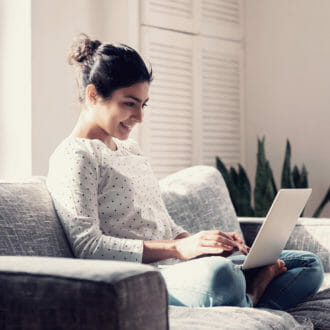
(117, 116)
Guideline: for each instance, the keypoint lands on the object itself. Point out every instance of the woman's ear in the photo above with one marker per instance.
(91, 94)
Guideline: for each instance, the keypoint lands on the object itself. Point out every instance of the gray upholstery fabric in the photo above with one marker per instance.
(197, 199)
(326, 282)
(57, 293)
(317, 309)
(308, 235)
(28, 222)
(182, 318)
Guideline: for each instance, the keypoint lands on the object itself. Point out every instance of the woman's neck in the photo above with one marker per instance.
(84, 128)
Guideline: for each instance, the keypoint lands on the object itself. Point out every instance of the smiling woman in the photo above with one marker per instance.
(109, 201)
(113, 84)
(114, 116)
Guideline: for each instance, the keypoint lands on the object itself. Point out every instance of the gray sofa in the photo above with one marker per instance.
(42, 285)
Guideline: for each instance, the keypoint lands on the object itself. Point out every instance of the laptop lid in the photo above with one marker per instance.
(277, 227)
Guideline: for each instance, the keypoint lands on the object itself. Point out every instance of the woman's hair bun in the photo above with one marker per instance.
(82, 50)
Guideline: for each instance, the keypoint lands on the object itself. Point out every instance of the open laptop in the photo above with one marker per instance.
(277, 227)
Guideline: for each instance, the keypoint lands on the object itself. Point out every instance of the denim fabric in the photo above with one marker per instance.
(302, 279)
(216, 281)
(206, 282)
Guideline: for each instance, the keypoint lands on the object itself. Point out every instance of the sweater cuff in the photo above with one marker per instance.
(128, 250)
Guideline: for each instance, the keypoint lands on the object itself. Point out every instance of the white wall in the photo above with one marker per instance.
(288, 87)
(15, 89)
(54, 24)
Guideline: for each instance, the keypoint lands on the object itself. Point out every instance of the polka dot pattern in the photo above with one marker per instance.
(108, 201)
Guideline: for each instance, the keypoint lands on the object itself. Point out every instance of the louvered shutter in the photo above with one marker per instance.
(221, 18)
(170, 14)
(221, 101)
(166, 136)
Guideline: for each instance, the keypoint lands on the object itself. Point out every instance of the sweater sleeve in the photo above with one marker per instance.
(73, 184)
(176, 229)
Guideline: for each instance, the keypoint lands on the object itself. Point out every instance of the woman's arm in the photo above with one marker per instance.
(186, 246)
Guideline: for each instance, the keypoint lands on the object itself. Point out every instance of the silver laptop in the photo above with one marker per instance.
(277, 227)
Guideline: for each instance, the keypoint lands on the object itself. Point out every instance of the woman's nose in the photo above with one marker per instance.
(138, 115)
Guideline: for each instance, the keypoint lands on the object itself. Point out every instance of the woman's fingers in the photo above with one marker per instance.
(241, 246)
(215, 244)
(211, 250)
(237, 237)
(218, 239)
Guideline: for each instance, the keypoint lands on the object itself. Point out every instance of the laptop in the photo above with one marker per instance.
(277, 228)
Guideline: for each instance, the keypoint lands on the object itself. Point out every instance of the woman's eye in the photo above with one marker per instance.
(144, 105)
(130, 104)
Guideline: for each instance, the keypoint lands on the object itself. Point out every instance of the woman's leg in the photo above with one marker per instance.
(302, 279)
(206, 282)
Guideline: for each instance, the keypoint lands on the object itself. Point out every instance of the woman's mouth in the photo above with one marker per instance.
(126, 126)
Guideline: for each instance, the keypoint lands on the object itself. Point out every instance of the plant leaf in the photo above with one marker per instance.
(223, 170)
(304, 177)
(228, 180)
(265, 188)
(296, 177)
(325, 200)
(244, 189)
(286, 181)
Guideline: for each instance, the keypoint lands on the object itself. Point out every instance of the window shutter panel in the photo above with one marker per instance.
(171, 14)
(166, 136)
(221, 18)
(221, 101)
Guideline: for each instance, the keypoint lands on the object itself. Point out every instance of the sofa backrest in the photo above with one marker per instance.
(28, 221)
(197, 199)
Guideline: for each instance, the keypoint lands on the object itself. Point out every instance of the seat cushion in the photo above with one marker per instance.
(183, 318)
(197, 199)
(28, 222)
(316, 308)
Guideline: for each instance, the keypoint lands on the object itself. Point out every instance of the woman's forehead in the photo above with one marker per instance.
(139, 91)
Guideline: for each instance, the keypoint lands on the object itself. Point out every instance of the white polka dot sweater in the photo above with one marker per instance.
(109, 202)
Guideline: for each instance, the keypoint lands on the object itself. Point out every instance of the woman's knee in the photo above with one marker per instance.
(311, 265)
(228, 285)
(312, 261)
(212, 281)
(317, 271)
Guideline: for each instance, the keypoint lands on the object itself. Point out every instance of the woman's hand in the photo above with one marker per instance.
(209, 242)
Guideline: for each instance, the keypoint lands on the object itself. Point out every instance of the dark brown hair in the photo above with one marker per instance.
(106, 66)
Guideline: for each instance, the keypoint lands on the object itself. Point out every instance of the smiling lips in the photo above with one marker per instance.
(129, 127)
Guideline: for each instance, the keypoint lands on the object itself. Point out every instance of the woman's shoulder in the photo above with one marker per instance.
(71, 147)
(129, 145)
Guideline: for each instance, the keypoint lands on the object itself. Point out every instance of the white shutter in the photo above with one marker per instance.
(166, 136)
(221, 18)
(171, 14)
(221, 101)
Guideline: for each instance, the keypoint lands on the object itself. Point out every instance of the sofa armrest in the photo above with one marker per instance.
(309, 234)
(61, 293)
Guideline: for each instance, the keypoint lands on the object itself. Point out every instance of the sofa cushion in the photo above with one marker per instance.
(197, 199)
(225, 317)
(62, 293)
(28, 222)
(316, 308)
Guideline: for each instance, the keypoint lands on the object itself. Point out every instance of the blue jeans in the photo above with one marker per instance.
(216, 281)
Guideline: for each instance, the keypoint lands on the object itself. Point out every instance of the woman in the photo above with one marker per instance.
(109, 202)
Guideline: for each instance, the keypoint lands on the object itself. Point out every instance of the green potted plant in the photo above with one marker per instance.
(265, 189)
